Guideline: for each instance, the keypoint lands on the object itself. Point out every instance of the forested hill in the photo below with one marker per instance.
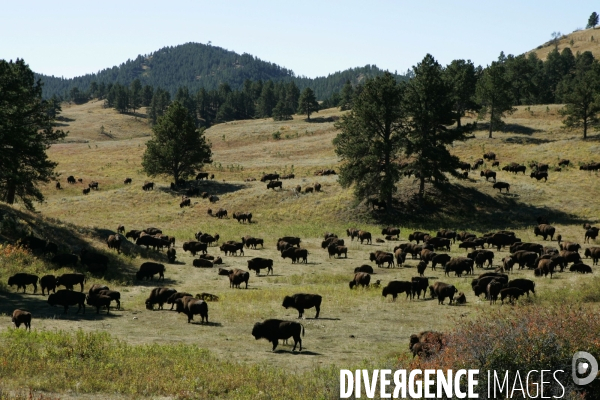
(195, 66)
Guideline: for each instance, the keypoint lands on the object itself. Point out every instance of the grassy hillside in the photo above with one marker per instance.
(579, 41)
(355, 325)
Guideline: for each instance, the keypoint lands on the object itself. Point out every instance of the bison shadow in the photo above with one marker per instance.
(215, 324)
(303, 352)
(212, 187)
(155, 282)
(322, 319)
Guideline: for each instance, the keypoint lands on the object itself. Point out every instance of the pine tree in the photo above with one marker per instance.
(26, 132)
(461, 77)
(282, 112)
(147, 94)
(493, 94)
(371, 140)
(266, 101)
(135, 95)
(177, 149)
(582, 102)
(346, 96)
(307, 103)
(429, 105)
(159, 104)
(592, 20)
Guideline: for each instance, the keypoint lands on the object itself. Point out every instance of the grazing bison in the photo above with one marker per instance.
(447, 235)
(332, 240)
(258, 263)
(294, 241)
(570, 256)
(524, 258)
(539, 175)
(149, 269)
(564, 162)
(70, 280)
(191, 306)
(275, 184)
(71, 179)
(581, 268)
(441, 259)
(113, 294)
(23, 279)
(232, 248)
(221, 213)
(86, 191)
(213, 198)
(490, 155)
(149, 186)
(269, 177)
(295, 254)
(201, 176)
(171, 255)
(360, 278)
(99, 301)
(526, 285)
(303, 301)
(396, 287)
(513, 293)
(177, 295)
(364, 268)
(185, 202)
(381, 257)
(21, 317)
(544, 230)
(459, 265)
(441, 291)
(93, 185)
(489, 174)
(67, 298)
(502, 185)
(159, 296)
(418, 236)
(236, 277)
(127, 181)
(593, 253)
(114, 242)
(275, 329)
(334, 249)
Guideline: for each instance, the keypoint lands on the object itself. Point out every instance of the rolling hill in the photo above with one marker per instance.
(195, 66)
(578, 41)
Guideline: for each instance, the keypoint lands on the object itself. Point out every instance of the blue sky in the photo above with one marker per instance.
(313, 38)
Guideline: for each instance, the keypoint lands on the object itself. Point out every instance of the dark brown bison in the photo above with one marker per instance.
(48, 283)
(421, 267)
(391, 232)
(581, 268)
(364, 236)
(149, 269)
(171, 255)
(295, 254)
(490, 155)
(526, 285)
(544, 230)
(303, 301)
(236, 277)
(67, 298)
(539, 175)
(159, 296)
(419, 285)
(99, 301)
(459, 265)
(418, 236)
(294, 241)
(441, 259)
(177, 295)
(524, 258)
(269, 177)
(258, 263)
(195, 247)
(480, 256)
(148, 186)
(513, 293)
(331, 240)
(447, 235)
(191, 306)
(489, 174)
(202, 263)
(591, 233)
(275, 184)
(201, 176)
(364, 268)
(23, 279)
(360, 278)
(335, 250)
(570, 246)
(396, 287)
(502, 185)
(21, 317)
(275, 329)
(493, 290)
(232, 248)
(71, 179)
(570, 256)
(70, 280)
(593, 253)
(113, 294)
(352, 233)
(114, 242)
(564, 162)
(441, 291)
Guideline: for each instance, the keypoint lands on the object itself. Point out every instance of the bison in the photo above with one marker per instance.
(149, 269)
(544, 230)
(236, 277)
(303, 301)
(441, 291)
(396, 287)
(70, 280)
(23, 279)
(258, 263)
(67, 298)
(159, 296)
(502, 185)
(21, 317)
(489, 174)
(275, 329)
(190, 306)
(360, 278)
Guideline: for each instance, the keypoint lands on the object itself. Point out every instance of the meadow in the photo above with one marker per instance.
(356, 327)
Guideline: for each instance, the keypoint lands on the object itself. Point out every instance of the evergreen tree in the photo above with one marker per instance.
(177, 148)
(346, 96)
(371, 140)
(430, 108)
(135, 95)
(159, 104)
(461, 77)
(266, 101)
(93, 89)
(147, 94)
(493, 94)
(292, 94)
(26, 132)
(282, 112)
(307, 103)
(592, 20)
(121, 98)
(582, 102)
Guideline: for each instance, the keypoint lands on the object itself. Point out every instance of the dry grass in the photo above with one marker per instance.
(244, 149)
(583, 40)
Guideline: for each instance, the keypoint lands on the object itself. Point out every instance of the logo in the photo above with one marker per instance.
(584, 364)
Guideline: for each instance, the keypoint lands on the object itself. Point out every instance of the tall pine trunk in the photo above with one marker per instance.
(491, 121)
(421, 188)
(585, 124)
(11, 192)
